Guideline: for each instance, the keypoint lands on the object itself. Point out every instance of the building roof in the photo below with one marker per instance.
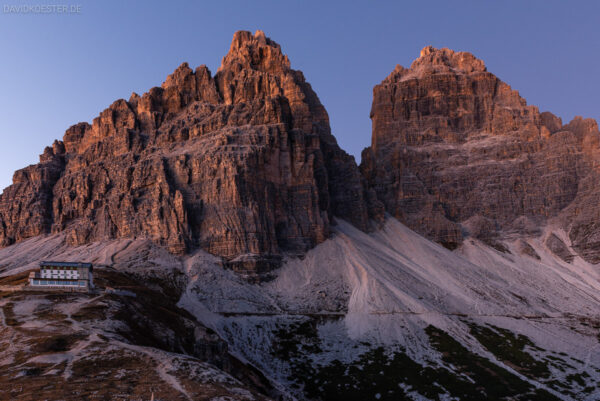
(47, 263)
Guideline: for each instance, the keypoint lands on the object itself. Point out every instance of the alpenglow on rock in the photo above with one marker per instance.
(242, 164)
(455, 151)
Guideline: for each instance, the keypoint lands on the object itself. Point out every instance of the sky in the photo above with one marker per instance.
(59, 68)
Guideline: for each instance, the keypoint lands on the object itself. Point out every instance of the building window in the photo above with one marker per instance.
(36, 282)
(82, 283)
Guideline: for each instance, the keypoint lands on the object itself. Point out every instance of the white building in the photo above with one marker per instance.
(67, 275)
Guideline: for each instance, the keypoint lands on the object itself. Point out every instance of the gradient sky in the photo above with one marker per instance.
(59, 69)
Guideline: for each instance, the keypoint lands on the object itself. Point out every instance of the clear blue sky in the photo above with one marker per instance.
(59, 69)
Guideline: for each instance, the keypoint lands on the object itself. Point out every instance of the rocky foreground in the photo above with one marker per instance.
(241, 254)
(127, 340)
(388, 313)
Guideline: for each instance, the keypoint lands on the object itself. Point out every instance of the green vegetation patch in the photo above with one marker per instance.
(55, 343)
(296, 339)
(49, 312)
(15, 279)
(377, 374)
(489, 381)
(511, 349)
(94, 311)
(9, 315)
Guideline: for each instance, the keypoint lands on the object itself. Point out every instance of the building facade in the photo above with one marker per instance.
(65, 275)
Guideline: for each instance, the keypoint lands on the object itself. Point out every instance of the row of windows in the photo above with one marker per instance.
(57, 275)
(61, 282)
(59, 270)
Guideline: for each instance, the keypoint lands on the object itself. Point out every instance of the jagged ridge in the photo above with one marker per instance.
(455, 151)
(242, 164)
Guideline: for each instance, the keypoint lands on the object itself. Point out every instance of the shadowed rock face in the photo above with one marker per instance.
(242, 164)
(455, 152)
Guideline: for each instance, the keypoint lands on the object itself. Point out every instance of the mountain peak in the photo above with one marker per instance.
(257, 52)
(187, 165)
(459, 61)
(178, 76)
(467, 156)
(433, 61)
(427, 50)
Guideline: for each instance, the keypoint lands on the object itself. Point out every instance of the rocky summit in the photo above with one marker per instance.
(240, 169)
(241, 164)
(456, 152)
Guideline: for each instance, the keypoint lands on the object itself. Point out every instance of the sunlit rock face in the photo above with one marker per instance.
(456, 152)
(241, 164)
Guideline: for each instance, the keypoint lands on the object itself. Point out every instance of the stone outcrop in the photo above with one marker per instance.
(456, 152)
(26, 205)
(526, 249)
(559, 248)
(241, 164)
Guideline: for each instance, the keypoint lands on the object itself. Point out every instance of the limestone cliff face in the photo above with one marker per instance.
(455, 152)
(26, 205)
(242, 164)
